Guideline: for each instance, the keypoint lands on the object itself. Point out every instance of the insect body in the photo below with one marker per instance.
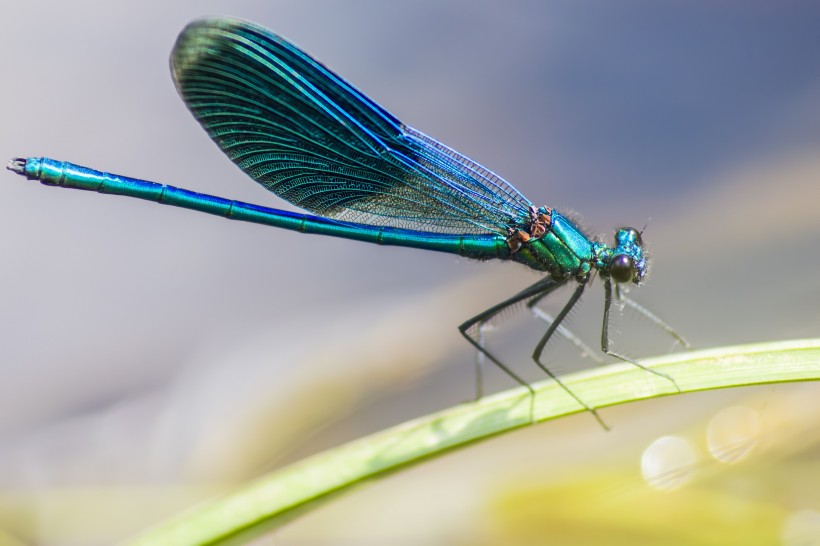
(308, 136)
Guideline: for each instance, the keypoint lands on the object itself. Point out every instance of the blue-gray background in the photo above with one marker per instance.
(131, 334)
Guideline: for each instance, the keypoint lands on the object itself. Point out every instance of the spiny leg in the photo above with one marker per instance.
(566, 333)
(539, 350)
(563, 331)
(480, 362)
(652, 317)
(545, 285)
(605, 337)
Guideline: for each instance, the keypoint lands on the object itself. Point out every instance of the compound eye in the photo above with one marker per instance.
(635, 235)
(621, 269)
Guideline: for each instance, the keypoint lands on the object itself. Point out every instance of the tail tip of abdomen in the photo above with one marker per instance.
(17, 165)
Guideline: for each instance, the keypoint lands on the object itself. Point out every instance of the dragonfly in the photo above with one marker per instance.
(308, 136)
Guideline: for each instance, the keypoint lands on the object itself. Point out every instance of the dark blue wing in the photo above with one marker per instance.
(308, 136)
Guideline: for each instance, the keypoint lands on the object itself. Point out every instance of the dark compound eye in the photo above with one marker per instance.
(621, 268)
(635, 235)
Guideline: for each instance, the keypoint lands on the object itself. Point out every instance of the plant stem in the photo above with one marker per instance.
(277, 498)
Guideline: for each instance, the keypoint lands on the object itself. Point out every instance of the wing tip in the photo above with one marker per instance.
(199, 38)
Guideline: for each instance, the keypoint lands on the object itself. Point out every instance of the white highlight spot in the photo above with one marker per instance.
(733, 433)
(668, 463)
(802, 529)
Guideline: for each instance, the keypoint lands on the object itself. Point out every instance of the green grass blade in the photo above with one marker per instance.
(277, 498)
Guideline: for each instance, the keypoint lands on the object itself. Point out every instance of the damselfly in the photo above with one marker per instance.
(312, 139)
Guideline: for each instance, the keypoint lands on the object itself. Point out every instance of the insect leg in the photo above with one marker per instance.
(539, 350)
(543, 285)
(566, 333)
(652, 317)
(605, 337)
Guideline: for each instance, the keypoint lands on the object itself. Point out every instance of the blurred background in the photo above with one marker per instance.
(153, 357)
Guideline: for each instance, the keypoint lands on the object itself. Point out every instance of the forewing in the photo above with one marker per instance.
(308, 136)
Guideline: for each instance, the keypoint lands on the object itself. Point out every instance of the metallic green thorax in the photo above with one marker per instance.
(563, 250)
(559, 247)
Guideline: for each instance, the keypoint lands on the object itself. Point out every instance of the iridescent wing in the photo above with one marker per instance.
(308, 136)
